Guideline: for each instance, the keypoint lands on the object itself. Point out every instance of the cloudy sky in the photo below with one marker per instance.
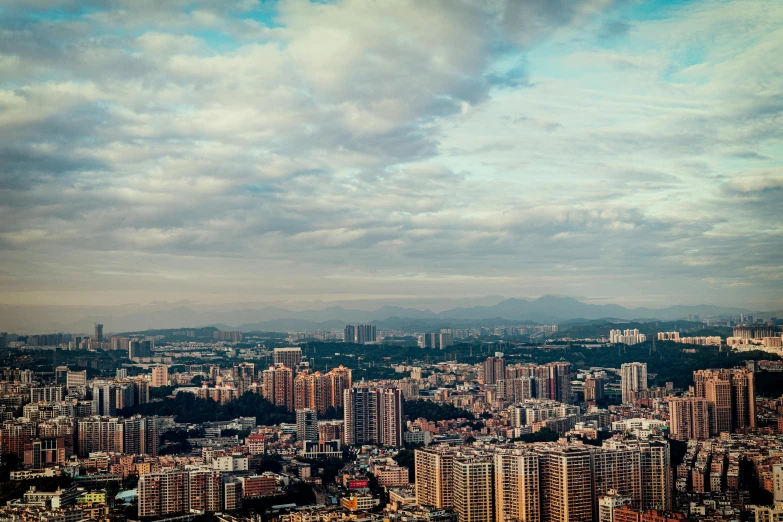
(228, 151)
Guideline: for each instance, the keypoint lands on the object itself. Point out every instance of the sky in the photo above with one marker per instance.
(235, 150)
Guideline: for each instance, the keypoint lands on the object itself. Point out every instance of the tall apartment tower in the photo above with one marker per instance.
(730, 394)
(361, 410)
(594, 389)
(163, 493)
(291, 357)
(689, 418)
(618, 467)
(517, 486)
(160, 376)
(566, 478)
(341, 379)
(656, 472)
(474, 489)
(366, 333)
(100, 434)
(434, 479)
(560, 380)
(634, 379)
(140, 436)
(244, 375)
(278, 386)
(494, 370)
(349, 334)
(390, 416)
(306, 424)
(98, 332)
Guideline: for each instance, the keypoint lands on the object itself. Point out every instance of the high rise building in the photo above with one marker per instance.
(140, 436)
(61, 375)
(517, 486)
(244, 376)
(634, 379)
(160, 376)
(100, 434)
(205, 490)
(656, 473)
(689, 418)
(134, 349)
(104, 398)
(313, 390)
(390, 418)
(594, 389)
(278, 386)
(361, 411)
(163, 493)
(290, 357)
(141, 391)
(434, 478)
(341, 379)
(360, 334)
(566, 479)
(98, 332)
(437, 341)
(306, 424)
(731, 397)
(494, 370)
(474, 489)
(76, 378)
(629, 337)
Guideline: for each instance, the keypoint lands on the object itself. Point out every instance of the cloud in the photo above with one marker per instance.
(445, 148)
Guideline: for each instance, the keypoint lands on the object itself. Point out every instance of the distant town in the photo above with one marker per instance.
(587, 421)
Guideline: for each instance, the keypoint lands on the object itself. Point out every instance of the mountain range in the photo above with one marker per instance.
(547, 310)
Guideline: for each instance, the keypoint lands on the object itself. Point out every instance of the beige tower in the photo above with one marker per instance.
(517, 486)
(434, 480)
(474, 489)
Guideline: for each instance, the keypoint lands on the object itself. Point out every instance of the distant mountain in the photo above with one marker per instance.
(547, 309)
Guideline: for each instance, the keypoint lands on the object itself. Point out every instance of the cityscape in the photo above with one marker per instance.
(391, 261)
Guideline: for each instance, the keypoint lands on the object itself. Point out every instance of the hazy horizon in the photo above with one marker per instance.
(347, 151)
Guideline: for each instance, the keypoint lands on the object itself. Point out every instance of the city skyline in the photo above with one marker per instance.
(214, 152)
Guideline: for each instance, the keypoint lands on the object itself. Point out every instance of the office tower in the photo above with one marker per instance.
(306, 424)
(391, 417)
(494, 370)
(163, 493)
(594, 389)
(100, 434)
(61, 375)
(104, 398)
(361, 410)
(656, 472)
(349, 334)
(566, 481)
(517, 486)
(366, 333)
(76, 378)
(634, 379)
(730, 393)
(289, 357)
(341, 379)
(689, 418)
(474, 489)
(278, 386)
(434, 479)
(140, 436)
(160, 376)
(98, 333)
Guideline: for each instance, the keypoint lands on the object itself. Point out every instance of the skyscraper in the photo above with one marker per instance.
(100, 434)
(494, 370)
(140, 436)
(634, 379)
(361, 411)
(731, 397)
(566, 479)
(360, 334)
(244, 376)
(391, 417)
